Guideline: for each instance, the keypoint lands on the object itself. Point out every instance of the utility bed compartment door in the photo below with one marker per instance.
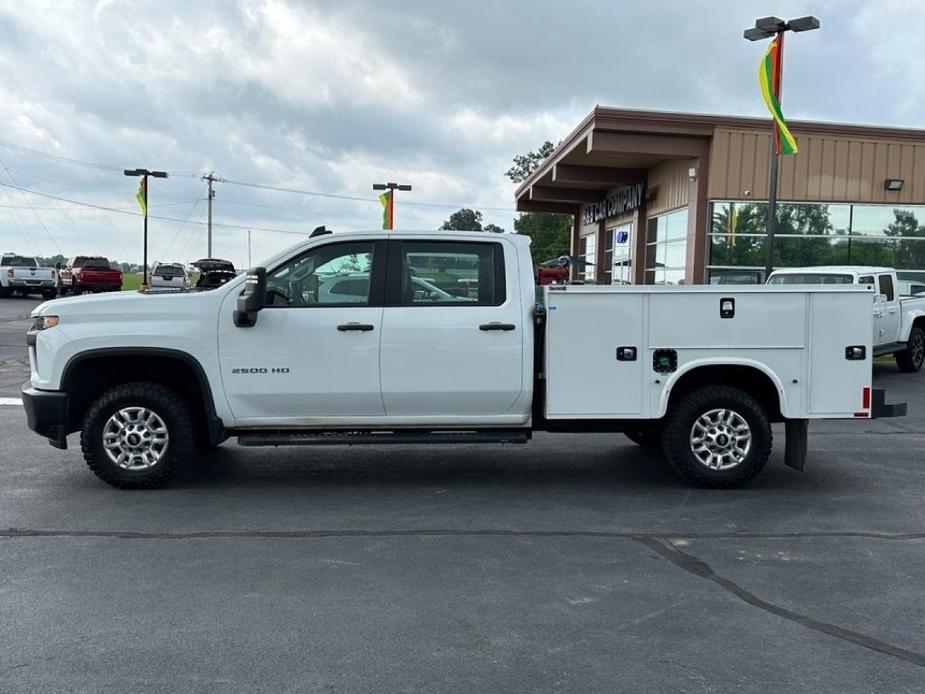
(838, 321)
(584, 376)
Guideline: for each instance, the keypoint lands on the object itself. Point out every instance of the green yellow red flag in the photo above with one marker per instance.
(387, 209)
(142, 195)
(768, 78)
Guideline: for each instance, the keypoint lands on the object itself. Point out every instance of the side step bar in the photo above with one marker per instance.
(282, 437)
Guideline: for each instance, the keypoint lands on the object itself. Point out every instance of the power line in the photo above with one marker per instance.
(356, 198)
(34, 211)
(138, 214)
(79, 162)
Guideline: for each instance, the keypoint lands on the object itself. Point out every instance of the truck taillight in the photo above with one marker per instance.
(9, 273)
(865, 399)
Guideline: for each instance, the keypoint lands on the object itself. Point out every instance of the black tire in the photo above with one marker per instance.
(677, 436)
(173, 411)
(646, 439)
(4, 292)
(49, 294)
(910, 360)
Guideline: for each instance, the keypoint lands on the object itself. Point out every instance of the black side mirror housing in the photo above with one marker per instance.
(252, 299)
(57, 266)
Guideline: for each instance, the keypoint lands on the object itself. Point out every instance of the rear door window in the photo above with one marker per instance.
(447, 273)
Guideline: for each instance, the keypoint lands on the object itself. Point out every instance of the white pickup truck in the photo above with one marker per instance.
(23, 274)
(899, 321)
(276, 357)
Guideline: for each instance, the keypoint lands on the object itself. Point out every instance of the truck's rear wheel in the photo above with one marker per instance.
(911, 359)
(137, 435)
(717, 436)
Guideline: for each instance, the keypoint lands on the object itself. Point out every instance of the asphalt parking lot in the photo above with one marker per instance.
(577, 563)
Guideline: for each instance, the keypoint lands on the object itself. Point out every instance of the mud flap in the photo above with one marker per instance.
(795, 448)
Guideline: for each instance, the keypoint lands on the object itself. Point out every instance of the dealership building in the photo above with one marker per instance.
(672, 198)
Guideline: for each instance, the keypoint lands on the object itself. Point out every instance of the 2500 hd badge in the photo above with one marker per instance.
(262, 370)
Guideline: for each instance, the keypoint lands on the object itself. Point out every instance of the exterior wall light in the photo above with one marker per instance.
(894, 184)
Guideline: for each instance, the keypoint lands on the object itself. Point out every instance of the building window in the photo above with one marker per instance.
(587, 251)
(816, 234)
(666, 248)
(619, 262)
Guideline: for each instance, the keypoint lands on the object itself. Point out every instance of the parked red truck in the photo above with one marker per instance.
(86, 273)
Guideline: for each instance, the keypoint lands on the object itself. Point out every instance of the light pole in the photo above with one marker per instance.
(766, 28)
(388, 201)
(142, 197)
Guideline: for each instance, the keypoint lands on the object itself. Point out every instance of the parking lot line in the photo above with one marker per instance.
(12, 402)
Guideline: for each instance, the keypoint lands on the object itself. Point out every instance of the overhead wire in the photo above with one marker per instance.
(34, 211)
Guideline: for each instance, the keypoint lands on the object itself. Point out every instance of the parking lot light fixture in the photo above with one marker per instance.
(142, 197)
(766, 28)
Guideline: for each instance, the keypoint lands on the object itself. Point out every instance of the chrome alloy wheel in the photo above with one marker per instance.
(135, 438)
(720, 439)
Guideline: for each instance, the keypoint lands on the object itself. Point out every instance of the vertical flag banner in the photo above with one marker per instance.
(387, 209)
(768, 79)
(142, 195)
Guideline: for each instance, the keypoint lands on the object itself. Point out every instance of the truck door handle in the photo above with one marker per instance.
(506, 327)
(359, 327)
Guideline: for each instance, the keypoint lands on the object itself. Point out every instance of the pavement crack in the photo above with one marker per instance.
(701, 569)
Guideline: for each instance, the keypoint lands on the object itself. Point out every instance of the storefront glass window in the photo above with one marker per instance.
(588, 253)
(620, 263)
(813, 234)
(666, 248)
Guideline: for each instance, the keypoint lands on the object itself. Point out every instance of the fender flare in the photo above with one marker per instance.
(735, 361)
(216, 429)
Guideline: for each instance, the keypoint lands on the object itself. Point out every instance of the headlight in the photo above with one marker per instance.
(44, 322)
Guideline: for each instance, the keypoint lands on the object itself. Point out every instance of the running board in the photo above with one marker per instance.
(275, 437)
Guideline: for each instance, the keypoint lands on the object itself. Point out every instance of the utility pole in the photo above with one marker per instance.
(210, 178)
(248, 248)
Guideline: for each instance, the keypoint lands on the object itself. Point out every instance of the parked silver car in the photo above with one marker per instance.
(169, 276)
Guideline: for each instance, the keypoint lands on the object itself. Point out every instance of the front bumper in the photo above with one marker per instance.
(46, 413)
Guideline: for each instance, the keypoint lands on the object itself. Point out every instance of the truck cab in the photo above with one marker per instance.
(898, 321)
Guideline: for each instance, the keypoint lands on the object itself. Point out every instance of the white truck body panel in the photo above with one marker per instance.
(427, 366)
(893, 316)
(796, 336)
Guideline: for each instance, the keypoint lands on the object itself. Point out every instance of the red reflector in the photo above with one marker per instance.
(865, 415)
(865, 399)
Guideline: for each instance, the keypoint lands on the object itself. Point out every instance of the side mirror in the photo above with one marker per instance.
(57, 266)
(252, 299)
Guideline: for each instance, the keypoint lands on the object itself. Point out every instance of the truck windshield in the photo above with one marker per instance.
(19, 261)
(811, 278)
(96, 263)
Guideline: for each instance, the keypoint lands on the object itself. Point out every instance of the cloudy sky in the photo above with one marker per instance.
(334, 95)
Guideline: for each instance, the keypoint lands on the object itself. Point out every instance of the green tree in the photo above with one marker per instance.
(494, 228)
(908, 253)
(550, 233)
(464, 220)
(525, 164)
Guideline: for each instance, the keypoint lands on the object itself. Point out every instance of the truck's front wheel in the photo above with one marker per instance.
(717, 436)
(137, 435)
(910, 359)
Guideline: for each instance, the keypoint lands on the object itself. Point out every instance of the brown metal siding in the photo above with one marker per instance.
(827, 169)
(671, 178)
